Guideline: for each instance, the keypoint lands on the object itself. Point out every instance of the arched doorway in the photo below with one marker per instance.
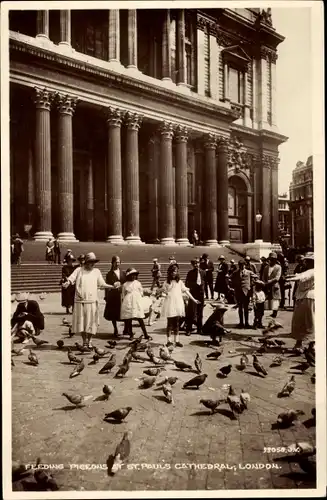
(238, 209)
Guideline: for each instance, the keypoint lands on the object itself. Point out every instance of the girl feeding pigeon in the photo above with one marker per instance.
(173, 307)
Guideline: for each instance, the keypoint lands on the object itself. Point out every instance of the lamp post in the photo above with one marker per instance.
(258, 219)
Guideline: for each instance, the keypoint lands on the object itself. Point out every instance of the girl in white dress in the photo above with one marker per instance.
(132, 306)
(173, 307)
(87, 280)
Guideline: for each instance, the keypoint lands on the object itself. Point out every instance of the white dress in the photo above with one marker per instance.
(132, 300)
(173, 304)
(86, 304)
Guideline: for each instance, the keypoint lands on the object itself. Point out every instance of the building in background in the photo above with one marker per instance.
(284, 218)
(301, 204)
(143, 125)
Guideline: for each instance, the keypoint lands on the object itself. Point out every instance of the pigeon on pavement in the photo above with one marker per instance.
(119, 414)
(115, 462)
(182, 366)
(109, 365)
(258, 366)
(198, 363)
(286, 418)
(72, 358)
(60, 344)
(212, 404)
(196, 381)
(100, 352)
(277, 361)
(214, 355)
(288, 387)
(147, 382)
(107, 390)
(225, 370)
(38, 342)
(78, 370)
(76, 399)
(32, 357)
(122, 370)
(234, 402)
(168, 392)
(245, 399)
(170, 380)
(153, 372)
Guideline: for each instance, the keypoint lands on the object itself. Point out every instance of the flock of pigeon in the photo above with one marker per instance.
(140, 351)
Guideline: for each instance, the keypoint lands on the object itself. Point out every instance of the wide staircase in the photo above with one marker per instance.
(36, 276)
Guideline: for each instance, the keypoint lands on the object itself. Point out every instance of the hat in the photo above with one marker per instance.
(205, 256)
(242, 261)
(81, 257)
(232, 261)
(263, 258)
(155, 260)
(309, 255)
(70, 257)
(272, 255)
(222, 257)
(22, 296)
(131, 270)
(90, 257)
(172, 258)
(247, 258)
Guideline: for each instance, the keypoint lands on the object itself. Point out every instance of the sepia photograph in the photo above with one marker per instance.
(163, 249)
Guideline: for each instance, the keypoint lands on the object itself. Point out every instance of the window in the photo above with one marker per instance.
(190, 49)
(173, 45)
(231, 201)
(207, 63)
(236, 79)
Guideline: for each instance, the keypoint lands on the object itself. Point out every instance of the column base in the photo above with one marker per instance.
(258, 249)
(224, 242)
(184, 242)
(69, 237)
(116, 240)
(134, 240)
(211, 243)
(167, 241)
(43, 235)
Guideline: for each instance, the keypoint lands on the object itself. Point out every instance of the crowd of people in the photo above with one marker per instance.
(182, 304)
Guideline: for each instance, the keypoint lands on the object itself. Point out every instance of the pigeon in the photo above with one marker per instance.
(168, 380)
(313, 378)
(82, 348)
(72, 358)
(277, 361)
(286, 418)
(234, 402)
(119, 414)
(214, 355)
(288, 387)
(60, 344)
(182, 366)
(225, 370)
(76, 399)
(122, 370)
(78, 370)
(167, 390)
(42, 295)
(242, 364)
(149, 352)
(18, 352)
(164, 354)
(45, 480)
(212, 404)
(122, 452)
(127, 358)
(157, 361)
(107, 390)
(96, 358)
(137, 357)
(38, 342)
(274, 325)
(109, 365)
(100, 352)
(65, 322)
(33, 358)
(111, 344)
(153, 372)
(280, 343)
(147, 382)
(258, 366)
(170, 348)
(196, 381)
(198, 363)
(302, 367)
(245, 399)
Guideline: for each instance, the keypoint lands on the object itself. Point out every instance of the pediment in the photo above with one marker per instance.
(236, 54)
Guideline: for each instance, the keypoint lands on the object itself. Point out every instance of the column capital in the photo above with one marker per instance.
(66, 104)
(166, 130)
(181, 133)
(223, 144)
(43, 98)
(114, 117)
(133, 120)
(210, 141)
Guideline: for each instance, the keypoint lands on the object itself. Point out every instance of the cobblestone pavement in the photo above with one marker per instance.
(45, 426)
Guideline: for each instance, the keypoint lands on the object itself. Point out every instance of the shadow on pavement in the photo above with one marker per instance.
(68, 408)
(160, 398)
(226, 413)
(201, 413)
(255, 374)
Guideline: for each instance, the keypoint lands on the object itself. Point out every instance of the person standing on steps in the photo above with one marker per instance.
(115, 277)
(207, 266)
(195, 283)
(56, 251)
(87, 279)
(17, 250)
(271, 276)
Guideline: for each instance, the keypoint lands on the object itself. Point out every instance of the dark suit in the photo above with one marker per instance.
(208, 267)
(222, 279)
(194, 312)
(33, 315)
(113, 296)
(242, 285)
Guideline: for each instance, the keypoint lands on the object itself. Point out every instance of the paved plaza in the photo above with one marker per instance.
(170, 441)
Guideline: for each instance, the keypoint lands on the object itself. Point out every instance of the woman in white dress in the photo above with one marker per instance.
(87, 280)
(173, 307)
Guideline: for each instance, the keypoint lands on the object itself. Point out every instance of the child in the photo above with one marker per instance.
(156, 274)
(259, 298)
(173, 307)
(132, 303)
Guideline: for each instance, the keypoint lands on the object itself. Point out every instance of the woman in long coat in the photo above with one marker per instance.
(221, 286)
(67, 294)
(113, 297)
(271, 276)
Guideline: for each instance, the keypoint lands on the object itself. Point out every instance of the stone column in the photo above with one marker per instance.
(200, 62)
(226, 83)
(263, 89)
(222, 192)
(90, 202)
(132, 38)
(66, 107)
(153, 170)
(42, 24)
(166, 47)
(114, 36)
(31, 188)
(273, 90)
(180, 48)
(181, 134)
(210, 192)
(274, 201)
(214, 72)
(65, 28)
(266, 200)
(247, 118)
(43, 101)
(166, 182)
(199, 189)
(133, 123)
(114, 177)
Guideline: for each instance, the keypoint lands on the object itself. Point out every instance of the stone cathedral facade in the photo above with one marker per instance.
(143, 125)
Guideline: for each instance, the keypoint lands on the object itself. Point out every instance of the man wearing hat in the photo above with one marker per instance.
(271, 276)
(18, 249)
(249, 265)
(207, 266)
(87, 279)
(156, 274)
(222, 286)
(242, 284)
(214, 326)
(27, 319)
(264, 263)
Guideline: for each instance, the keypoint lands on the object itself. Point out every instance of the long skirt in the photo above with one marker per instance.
(303, 319)
(85, 318)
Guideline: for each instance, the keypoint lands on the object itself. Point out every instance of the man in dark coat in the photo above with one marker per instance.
(249, 265)
(242, 285)
(264, 263)
(27, 319)
(222, 286)
(18, 249)
(113, 296)
(195, 281)
(207, 266)
(214, 326)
